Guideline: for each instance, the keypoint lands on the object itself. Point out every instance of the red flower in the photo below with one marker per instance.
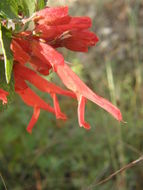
(73, 82)
(52, 16)
(50, 32)
(60, 30)
(54, 28)
(3, 96)
(78, 40)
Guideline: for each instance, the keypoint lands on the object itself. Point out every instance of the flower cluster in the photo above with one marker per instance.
(35, 55)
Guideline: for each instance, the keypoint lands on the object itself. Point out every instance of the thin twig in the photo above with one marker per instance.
(3, 181)
(117, 172)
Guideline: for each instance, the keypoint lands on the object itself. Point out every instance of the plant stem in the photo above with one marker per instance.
(121, 180)
(3, 181)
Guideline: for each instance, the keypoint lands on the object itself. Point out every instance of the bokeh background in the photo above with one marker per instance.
(60, 155)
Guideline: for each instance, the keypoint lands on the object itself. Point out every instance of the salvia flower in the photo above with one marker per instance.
(35, 55)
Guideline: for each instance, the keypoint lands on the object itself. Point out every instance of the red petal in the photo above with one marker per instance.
(59, 114)
(73, 82)
(53, 32)
(53, 16)
(80, 22)
(41, 83)
(31, 98)
(23, 42)
(40, 66)
(47, 53)
(35, 116)
(79, 40)
(19, 54)
(81, 110)
(48, 32)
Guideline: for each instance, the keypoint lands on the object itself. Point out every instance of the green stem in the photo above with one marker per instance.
(119, 144)
(3, 181)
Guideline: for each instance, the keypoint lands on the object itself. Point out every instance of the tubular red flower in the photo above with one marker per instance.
(27, 74)
(54, 28)
(73, 82)
(3, 96)
(53, 32)
(52, 16)
(22, 73)
(78, 40)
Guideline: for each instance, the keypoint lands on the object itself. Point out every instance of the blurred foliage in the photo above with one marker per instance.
(61, 155)
(8, 87)
(11, 8)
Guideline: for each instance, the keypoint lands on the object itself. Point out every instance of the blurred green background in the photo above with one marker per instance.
(61, 155)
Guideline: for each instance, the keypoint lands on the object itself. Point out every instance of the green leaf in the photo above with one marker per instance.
(40, 4)
(5, 39)
(8, 87)
(27, 7)
(1, 52)
(9, 8)
(30, 6)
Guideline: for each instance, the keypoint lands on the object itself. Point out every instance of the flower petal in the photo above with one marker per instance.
(19, 54)
(46, 53)
(59, 114)
(41, 83)
(78, 40)
(52, 16)
(81, 110)
(30, 97)
(53, 32)
(73, 82)
(35, 116)
(39, 65)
